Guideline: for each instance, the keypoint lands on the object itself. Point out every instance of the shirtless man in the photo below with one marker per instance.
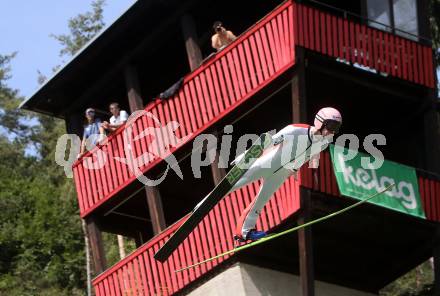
(222, 37)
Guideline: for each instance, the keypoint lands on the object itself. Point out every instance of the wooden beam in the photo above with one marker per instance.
(153, 195)
(306, 271)
(217, 173)
(299, 111)
(96, 245)
(155, 208)
(133, 88)
(190, 36)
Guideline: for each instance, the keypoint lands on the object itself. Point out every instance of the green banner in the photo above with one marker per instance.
(360, 176)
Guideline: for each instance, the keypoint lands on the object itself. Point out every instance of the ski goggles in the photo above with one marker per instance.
(332, 125)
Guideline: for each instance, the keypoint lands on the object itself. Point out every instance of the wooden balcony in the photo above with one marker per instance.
(141, 274)
(235, 75)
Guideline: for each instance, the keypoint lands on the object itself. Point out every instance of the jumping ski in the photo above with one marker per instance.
(225, 185)
(276, 235)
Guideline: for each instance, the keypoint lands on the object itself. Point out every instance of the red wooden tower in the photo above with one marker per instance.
(370, 59)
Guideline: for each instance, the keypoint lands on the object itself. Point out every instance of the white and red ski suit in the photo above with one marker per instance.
(295, 144)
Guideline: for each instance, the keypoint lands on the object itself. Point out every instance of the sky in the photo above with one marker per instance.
(25, 28)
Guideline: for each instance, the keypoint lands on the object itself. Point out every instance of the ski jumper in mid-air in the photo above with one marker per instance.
(292, 147)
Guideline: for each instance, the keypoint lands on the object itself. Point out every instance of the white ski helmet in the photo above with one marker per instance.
(328, 117)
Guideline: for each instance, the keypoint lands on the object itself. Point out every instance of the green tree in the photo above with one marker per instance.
(41, 242)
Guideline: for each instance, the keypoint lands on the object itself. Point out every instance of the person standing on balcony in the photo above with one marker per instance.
(93, 131)
(302, 143)
(222, 37)
(119, 117)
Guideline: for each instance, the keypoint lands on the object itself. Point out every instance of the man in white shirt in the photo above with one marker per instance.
(119, 118)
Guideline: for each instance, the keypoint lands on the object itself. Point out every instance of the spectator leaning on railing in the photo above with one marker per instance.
(93, 131)
(222, 37)
(118, 118)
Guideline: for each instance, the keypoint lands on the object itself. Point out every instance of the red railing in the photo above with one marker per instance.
(140, 274)
(253, 61)
(234, 75)
(356, 43)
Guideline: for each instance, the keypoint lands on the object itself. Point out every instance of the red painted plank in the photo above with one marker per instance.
(78, 188)
(217, 89)
(302, 27)
(244, 68)
(183, 263)
(215, 240)
(220, 88)
(419, 64)
(194, 118)
(387, 53)
(275, 44)
(210, 94)
(266, 50)
(121, 154)
(185, 113)
(159, 136)
(197, 103)
(340, 38)
(431, 68)
(398, 52)
(323, 33)
(346, 40)
(330, 34)
(210, 241)
(238, 72)
(260, 51)
(189, 260)
(144, 280)
(168, 118)
(311, 32)
(114, 276)
(369, 54)
(364, 50)
(414, 60)
(256, 59)
(157, 277)
(222, 84)
(291, 26)
(410, 60)
(228, 80)
(316, 30)
(250, 64)
(234, 78)
(392, 42)
(404, 59)
(202, 92)
(352, 38)
(381, 51)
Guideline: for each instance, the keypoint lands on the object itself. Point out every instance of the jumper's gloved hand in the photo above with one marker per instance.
(277, 140)
(294, 173)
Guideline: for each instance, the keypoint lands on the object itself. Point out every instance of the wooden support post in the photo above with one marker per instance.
(133, 88)
(217, 173)
(190, 36)
(153, 196)
(155, 208)
(306, 271)
(299, 107)
(96, 245)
